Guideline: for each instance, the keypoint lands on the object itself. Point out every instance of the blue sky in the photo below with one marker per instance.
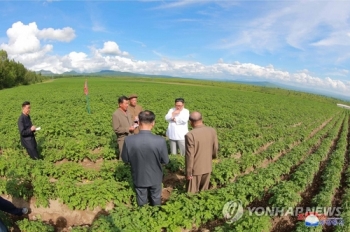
(301, 43)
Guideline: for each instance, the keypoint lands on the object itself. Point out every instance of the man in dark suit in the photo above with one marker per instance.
(201, 145)
(27, 130)
(146, 153)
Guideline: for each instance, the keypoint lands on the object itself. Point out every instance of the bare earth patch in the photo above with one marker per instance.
(58, 214)
(86, 163)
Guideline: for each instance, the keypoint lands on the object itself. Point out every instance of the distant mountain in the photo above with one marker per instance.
(264, 83)
(114, 73)
(314, 91)
(118, 73)
(71, 73)
(45, 73)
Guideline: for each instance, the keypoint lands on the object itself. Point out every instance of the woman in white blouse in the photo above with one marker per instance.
(178, 126)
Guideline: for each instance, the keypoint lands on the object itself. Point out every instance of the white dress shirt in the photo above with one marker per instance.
(178, 129)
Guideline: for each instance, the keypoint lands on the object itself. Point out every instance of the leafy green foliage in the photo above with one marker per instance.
(256, 125)
(26, 225)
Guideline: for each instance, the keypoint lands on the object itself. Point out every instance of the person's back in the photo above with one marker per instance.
(204, 140)
(146, 153)
(145, 157)
(201, 147)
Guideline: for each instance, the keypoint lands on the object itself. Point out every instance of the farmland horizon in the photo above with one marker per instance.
(277, 149)
(262, 83)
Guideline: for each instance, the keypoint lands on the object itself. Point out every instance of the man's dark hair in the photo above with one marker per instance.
(146, 117)
(26, 103)
(121, 99)
(180, 100)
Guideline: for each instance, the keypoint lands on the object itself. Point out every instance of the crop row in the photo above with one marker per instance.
(69, 132)
(184, 210)
(287, 193)
(263, 223)
(228, 168)
(330, 177)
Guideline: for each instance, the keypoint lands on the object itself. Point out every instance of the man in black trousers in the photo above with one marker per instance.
(27, 130)
(10, 208)
(146, 153)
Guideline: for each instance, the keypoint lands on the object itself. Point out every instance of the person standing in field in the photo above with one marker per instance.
(122, 122)
(134, 110)
(178, 126)
(201, 147)
(146, 153)
(27, 131)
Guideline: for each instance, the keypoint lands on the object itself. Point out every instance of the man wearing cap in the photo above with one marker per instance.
(134, 111)
(122, 122)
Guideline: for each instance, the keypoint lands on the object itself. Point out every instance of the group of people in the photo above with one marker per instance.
(146, 152)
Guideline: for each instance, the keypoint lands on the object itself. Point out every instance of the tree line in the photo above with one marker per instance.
(13, 73)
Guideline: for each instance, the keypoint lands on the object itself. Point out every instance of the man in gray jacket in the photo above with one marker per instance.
(146, 153)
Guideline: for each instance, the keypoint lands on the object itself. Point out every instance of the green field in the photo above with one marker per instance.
(277, 148)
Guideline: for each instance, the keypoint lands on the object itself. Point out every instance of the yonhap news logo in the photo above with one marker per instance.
(312, 216)
(232, 211)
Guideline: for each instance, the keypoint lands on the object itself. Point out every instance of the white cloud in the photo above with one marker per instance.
(98, 27)
(65, 35)
(24, 39)
(176, 4)
(112, 48)
(24, 45)
(141, 43)
(309, 27)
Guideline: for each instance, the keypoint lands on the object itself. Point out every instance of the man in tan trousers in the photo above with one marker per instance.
(122, 122)
(201, 147)
(134, 110)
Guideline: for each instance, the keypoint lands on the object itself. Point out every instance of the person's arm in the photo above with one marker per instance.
(183, 117)
(125, 156)
(164, 156)
(216, 145)
(23, 131)
(189, 156)
(117, 127)
(169, 116)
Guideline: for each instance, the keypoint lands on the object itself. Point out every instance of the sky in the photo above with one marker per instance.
(298, 43)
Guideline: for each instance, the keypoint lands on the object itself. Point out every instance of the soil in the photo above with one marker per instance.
(59, 214)
(86, 163)
(266, 162)
(340, 191)
(264, 147)
(62, 217)
(297, 124)
(289, 223)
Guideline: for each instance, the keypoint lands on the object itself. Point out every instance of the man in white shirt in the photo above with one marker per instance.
(178, 126)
